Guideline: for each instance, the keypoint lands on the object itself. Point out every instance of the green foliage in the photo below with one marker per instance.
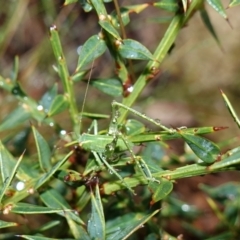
(94, 184)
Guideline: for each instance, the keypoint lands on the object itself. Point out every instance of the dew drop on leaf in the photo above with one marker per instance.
(20, 185)
(130, 89)
(51, 124)
(185, 207)
(63, 132)
(39, 107)
(76, 212)
(157, 120)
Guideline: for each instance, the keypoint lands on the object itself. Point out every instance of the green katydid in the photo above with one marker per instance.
(106, 148)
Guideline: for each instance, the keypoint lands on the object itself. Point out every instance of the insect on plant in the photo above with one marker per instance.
(107, 147)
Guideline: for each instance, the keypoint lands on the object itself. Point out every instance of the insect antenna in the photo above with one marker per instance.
(85, 96)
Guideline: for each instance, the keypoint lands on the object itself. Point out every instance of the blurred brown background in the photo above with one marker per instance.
(185, 93)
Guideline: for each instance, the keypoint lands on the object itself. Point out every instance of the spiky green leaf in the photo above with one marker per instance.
(96, 223)
(218, 7)
(43, 149)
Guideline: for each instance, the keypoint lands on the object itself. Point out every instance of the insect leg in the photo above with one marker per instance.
(101, 159)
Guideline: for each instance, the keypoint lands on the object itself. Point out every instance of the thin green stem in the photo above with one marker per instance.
(116, 5)
(65, 77)
(73, 107)
(228, 164)
(231, 109)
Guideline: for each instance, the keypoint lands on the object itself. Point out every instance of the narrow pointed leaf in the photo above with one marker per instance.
(59, 56)
(110, 86)
(45, 177)
(218, 7)
(109, 28)
(234, 3)
(15, 70)
(32, 237)
(132, 49)
(96, 223)
(137, 8)
(48, 97)
(15, 118)
(49, 225)
(160, 190)
(44, 153)
(230, 108)
(18, 141)
(26, 208)
(8, 169)
(92, 49)
(4, 224)
(99, 7)
(206, 150)
(7, 163)
(208, 24)
(125, 12)
(104, 21)
(53, 199)
(77, 230)
(122, 227)
(169, 5)
(58, 105)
